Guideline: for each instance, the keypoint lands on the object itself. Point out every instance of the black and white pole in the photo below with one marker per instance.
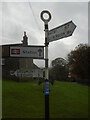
(46, 86)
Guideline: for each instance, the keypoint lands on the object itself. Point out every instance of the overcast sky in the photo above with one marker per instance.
(18, 17)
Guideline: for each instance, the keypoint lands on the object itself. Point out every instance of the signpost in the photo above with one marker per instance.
(19, 73)
(36, 52)
(34, 73)
(46, 86)
(62, 31)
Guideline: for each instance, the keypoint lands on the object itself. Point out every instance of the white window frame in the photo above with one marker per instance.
(2, 61)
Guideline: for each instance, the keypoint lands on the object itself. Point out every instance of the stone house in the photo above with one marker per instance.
(16, 68)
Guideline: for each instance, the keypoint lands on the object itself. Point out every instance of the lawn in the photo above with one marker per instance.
(26, 100)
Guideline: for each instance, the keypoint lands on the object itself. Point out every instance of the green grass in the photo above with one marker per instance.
(26, 100)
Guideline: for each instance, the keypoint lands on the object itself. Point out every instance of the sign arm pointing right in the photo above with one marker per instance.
(62, 31)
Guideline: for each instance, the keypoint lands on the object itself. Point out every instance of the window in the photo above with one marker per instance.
(2, 61)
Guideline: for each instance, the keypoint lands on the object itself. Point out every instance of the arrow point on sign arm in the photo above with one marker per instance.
(74, 24)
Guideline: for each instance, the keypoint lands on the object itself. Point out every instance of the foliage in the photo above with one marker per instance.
(59, 70)
(78, 62)
(59, 61)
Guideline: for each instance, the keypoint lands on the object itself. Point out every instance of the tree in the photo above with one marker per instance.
(78, 62)
(59, 70)
(59, 61)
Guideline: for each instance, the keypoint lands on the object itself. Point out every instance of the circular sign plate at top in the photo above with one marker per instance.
(49, 14)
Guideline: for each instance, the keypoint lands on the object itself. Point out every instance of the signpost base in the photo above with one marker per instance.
(46, 107)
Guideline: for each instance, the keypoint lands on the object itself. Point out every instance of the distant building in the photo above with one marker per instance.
(37, 72)
(18, 68)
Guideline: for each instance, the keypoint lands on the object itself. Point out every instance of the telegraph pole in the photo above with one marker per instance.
(46, 85)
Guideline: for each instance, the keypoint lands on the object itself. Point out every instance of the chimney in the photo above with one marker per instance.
(25, 40)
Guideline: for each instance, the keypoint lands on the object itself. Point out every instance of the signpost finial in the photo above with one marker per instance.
(44, 19)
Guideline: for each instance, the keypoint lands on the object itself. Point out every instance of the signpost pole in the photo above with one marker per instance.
(46, 74)
(60, 32)
(46, 89)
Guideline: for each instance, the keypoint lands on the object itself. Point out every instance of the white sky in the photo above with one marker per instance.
(18, 17)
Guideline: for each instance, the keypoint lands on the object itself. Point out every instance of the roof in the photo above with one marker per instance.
(35, 67)
(18, 44)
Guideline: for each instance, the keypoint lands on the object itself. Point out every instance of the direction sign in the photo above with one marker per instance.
(35, 73)
(62, 31)
(35, 52)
